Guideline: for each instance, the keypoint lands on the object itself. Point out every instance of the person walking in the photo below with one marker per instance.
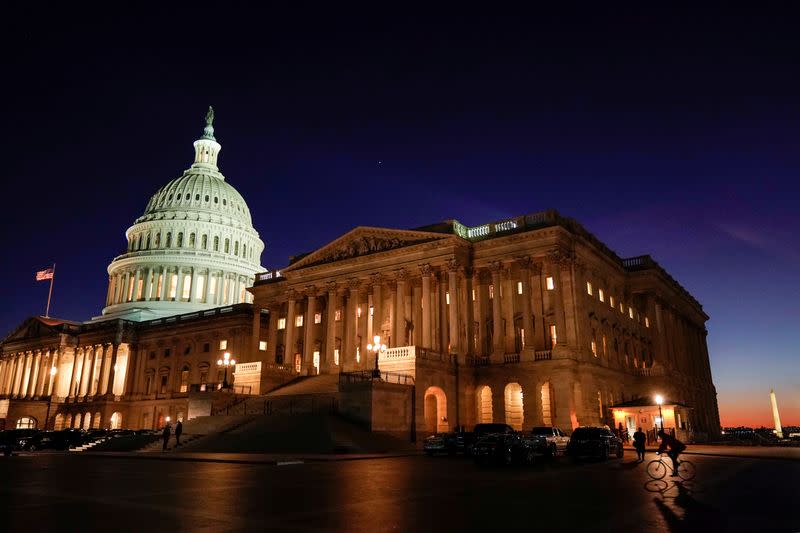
(165, 437)
(178, 431)
(639, 439)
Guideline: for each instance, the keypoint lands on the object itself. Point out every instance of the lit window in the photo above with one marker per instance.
(358, 354)
(338, 315)
(630, 311)
(611, 301)
(646, 322)
(281, 323)
(336, 357)
(553, 335)
(317, 318)
(201, 286)
(589, 288)
(594, 348)
(187, 287)
(522, 336)
(601, 295)
(223, 344)
(519, 287)
(604, 345)
(550, 283)
(447, 297)
(473, 295)
(298, 321)
(173, 286)
(621, 308)
(262, 346)
(358, 312)
(491, 292)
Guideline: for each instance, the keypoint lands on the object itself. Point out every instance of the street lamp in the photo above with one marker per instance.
(659, 401)
(377, 348)
(226, 361)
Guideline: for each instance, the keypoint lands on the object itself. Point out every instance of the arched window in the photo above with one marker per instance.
(485, 415)
(169, 240)
(236, 248)
(227, 246)
(59, 422)
(514, 407)
(147, 242)
(191, 240)
(185, 379)
(244, 250)
(180, 239)
(547, 406)
(204, 242)
(158, 239)
(116, 420)
(96, 421)
(216, 243)
(26, 422)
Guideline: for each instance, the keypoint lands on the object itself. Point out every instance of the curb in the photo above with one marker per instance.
(728, 455)
(232, 460)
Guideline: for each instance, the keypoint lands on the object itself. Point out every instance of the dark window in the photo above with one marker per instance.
(206, 197)
(216, 200)
(206, 347)
(224, 201)
(152, 355)
(187, 350)
(167, 352)
(164, 384)
(197, 197)
(188, 195)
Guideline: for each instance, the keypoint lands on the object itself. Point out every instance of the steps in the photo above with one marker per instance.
(322, 384)
(198, 428)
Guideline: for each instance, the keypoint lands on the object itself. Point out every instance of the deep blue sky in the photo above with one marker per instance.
(674, 134)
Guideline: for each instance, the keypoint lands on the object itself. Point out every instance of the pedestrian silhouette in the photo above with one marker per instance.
(178, 431)
(638, 442)
(165, 437)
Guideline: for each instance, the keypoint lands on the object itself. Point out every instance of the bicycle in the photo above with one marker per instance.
(658, 468)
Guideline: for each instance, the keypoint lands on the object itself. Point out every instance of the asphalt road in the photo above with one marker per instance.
(70, 492)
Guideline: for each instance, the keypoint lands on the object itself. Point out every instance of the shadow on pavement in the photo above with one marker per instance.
(681, 511)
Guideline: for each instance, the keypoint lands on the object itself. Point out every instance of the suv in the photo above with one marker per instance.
(549, 441)
(597, 442)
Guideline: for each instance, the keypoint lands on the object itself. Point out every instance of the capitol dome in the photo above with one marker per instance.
(193, 248)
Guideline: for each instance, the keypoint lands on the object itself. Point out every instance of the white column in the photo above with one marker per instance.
(193, 288)
(206, 283)
(136, 279)
(164, 282)
(147, 283)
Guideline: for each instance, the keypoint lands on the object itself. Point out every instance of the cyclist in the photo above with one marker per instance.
(675, 446)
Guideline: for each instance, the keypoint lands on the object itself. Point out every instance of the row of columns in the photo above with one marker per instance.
(217, 287)
(424, 307)
(140, 242)
(36, 374)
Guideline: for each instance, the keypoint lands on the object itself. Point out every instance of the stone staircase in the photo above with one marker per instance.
(197, 429)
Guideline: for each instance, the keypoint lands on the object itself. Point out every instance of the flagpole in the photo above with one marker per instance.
(50, 295)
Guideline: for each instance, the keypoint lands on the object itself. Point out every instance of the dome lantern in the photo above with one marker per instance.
(206, 148)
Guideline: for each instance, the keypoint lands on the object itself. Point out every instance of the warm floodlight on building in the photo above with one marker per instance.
(376, 347)
(53, 371)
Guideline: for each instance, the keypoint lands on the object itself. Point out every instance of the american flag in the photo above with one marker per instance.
(45, 274)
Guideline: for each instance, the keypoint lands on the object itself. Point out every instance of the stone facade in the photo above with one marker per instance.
(528, 321)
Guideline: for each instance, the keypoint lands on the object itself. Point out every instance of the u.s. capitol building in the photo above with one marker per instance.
(528, 321)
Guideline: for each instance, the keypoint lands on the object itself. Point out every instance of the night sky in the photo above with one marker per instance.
(673, 134)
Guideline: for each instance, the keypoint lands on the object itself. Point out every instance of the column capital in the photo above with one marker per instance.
(496, 266)
(376, 279)
(484, 275)
(401, 274)
(292, 294)
(524, 262)
(311, 291)
(453, 264)
(331, 286)
(353, 283)
(425, 269)
(561, 257)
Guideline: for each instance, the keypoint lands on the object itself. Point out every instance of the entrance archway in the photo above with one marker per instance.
(59, 422)
(87, 420)
(96, 420)
(436, 411)
(76, 422)
(68, 421)
(485, 414)
(513, 404)
(116, 420)
(547, 406)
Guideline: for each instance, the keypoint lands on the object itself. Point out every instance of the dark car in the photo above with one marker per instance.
(548, 440)
(10, 439)
(596, 442)
(440, 444)
(466, 440)
(52, 440)
(502, 448)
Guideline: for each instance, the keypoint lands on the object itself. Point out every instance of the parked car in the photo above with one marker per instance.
(503, 448)
(597, 442)
(548, 440)
(465, 440)
(9, 439)
(440, 444)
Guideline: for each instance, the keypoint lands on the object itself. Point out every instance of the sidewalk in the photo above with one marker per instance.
(278, 459)
(745, 452)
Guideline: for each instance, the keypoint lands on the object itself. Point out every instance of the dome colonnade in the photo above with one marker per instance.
(194, 247)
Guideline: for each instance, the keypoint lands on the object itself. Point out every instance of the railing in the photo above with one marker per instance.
(649, 372)
(511, 358)
(543, 355)
(279, 368)
(415, 352)
(369, 375)
(196, 314)
(478, 360)
(260, 405)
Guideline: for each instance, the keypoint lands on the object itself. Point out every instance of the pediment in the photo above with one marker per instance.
(33, 328)
(363, 241)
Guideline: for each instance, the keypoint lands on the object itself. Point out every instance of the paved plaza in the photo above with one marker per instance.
(414, 493)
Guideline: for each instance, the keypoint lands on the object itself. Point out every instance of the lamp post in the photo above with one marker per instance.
(49, 397)
(226, 361)
(377, 348)
(659, 401)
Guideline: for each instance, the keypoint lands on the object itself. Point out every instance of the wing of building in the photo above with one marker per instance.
(529, 321)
